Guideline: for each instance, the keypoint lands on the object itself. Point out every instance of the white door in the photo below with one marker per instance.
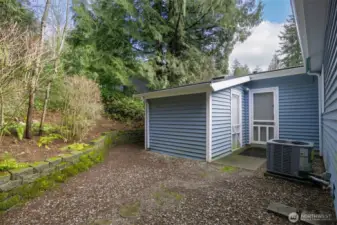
(263, 115)
(236, 114)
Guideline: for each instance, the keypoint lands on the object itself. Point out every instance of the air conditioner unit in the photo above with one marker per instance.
(288, 157)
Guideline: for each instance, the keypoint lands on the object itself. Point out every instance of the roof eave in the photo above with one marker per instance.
(298, 12)
(192, 89)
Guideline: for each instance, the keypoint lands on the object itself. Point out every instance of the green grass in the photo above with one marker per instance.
(227, 169)
(130, 210)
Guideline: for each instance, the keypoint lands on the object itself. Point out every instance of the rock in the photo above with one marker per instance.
(10, 185)
(30, 178)
(19, 173)
(68, 157)
(54, 161)
(38, 167)
(4, 177)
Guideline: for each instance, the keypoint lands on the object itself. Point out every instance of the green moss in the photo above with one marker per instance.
(3, 196)
(3, 173)
(70, 171)
(86, 161)
(165, 195)
(37, 163)
(11, 163)
(76, 147)
(29, 191)
(100, 138)
(10, 202)
(58, 176)
(81, 166)
(130, 210)
(227, 169)
(52, 159)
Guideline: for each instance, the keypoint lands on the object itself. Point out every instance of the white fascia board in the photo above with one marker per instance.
(217, 86)
(185, 90)
(299, 14)
(278, 73)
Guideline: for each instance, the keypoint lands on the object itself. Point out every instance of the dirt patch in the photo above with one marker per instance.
(131, 174)
(28, 151)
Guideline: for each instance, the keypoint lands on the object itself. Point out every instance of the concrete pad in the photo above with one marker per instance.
(240, 161)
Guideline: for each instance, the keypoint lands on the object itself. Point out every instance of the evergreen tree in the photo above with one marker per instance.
(238, 69)
(167, 42)
(290, 46)
(14, 11)
(275, 63)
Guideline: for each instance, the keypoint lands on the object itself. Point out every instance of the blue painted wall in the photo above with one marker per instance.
(329, 116)
(298, 106)
(221, 121)
(178, 125)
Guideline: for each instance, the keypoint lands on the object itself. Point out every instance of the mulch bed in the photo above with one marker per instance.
(28, 151)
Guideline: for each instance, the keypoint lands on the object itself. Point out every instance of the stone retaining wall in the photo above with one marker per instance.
(19, 185)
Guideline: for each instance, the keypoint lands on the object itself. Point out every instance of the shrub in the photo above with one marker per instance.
(8, 163)
(82, 107)
(47, 140)
(124, 108)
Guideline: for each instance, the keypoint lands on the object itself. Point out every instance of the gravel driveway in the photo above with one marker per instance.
(165, 190)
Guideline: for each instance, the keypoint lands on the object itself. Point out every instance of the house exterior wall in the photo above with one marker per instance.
(221, 121)
(177, 125)
(329, 114)
(298, 106)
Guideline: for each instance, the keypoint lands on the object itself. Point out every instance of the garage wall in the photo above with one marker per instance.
(221, 121)
(178, 125)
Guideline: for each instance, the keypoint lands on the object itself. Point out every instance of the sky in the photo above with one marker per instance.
(258, 49)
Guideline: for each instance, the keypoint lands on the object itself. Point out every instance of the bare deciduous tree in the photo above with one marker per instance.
(36, 71)
(17, 56)
(57, 44)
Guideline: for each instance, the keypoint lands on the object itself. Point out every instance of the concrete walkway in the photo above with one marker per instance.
(134, 186)
(241, 161)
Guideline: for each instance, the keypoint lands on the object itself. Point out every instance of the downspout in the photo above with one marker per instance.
(320, 99)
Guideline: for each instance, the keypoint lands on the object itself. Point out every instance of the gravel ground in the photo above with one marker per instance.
(169, 190)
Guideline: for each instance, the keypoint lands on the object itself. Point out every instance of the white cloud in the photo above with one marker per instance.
(259, 47)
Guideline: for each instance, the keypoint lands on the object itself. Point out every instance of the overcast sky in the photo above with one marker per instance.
(258, 49)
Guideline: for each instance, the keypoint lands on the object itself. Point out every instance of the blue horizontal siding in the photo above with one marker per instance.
(329, 117)
(298, 106)
(178, 125)
(221, 123)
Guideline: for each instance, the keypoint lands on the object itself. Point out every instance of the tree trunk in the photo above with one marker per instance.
(57, 53)
(29, 120)
(2, 113)
(45, 107)
(35, 75)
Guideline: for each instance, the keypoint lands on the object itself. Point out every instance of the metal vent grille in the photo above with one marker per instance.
(277, 158)
(284, 156)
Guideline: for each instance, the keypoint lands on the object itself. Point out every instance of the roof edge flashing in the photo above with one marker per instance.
(229, 83)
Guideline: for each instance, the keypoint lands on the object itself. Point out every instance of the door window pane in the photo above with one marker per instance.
(271, 133)
(263, 134)
(263, 106)
(235, 109)
(256, 133)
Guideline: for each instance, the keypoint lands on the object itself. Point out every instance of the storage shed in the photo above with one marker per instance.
(209, 120)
